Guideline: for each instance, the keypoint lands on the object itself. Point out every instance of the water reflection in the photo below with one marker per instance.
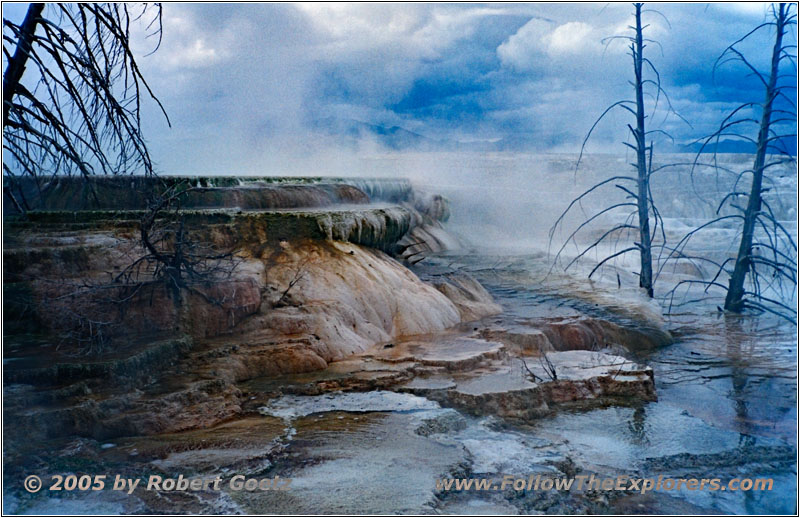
(726, 391)
(739, 352)
(638, 426)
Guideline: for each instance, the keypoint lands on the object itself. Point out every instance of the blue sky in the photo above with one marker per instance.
(249, 84)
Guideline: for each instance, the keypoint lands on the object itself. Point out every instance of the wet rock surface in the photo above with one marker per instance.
(304, 292)
(334, 386)
(249, 192)
(365, 434)
(418, 408)
(367, 383)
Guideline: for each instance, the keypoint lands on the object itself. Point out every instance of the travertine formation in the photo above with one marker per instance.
(318, 300)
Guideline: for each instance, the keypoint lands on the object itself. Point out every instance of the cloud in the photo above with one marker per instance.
(187, 48)
(572, 38)
(523, 49)
(245, 84)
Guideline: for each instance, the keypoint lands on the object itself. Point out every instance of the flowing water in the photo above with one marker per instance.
(726, 392)
(727, 386)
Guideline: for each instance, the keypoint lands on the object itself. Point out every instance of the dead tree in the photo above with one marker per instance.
(636, 189)
(171, 253)
(767, 254)
(72, 91)
(77, 111)
(89, 313)
(747, 260)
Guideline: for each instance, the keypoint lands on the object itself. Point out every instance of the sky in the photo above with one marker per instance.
(256, 87)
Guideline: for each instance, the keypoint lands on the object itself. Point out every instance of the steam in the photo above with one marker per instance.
(248, 85)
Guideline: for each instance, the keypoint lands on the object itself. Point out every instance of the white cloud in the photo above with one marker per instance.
(571, 46)
(421, 31)
(754, 9)
(193, 54)
(572, 38)
(184, 46)
(522, 50)
(250, 77)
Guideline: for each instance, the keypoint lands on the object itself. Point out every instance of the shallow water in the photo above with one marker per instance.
(726, 389)
(728, 383)
(726, 396)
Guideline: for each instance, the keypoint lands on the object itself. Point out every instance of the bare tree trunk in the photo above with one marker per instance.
(646, 270)
(16, 65)
(734, 300)
(638, 194)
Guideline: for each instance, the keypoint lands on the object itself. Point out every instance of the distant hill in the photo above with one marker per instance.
(394, 137)
(724, 146)
(731, 146)
(401, 139)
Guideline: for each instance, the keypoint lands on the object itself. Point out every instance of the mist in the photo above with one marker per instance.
(319, 89)
(480, 274)
(488, 105)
